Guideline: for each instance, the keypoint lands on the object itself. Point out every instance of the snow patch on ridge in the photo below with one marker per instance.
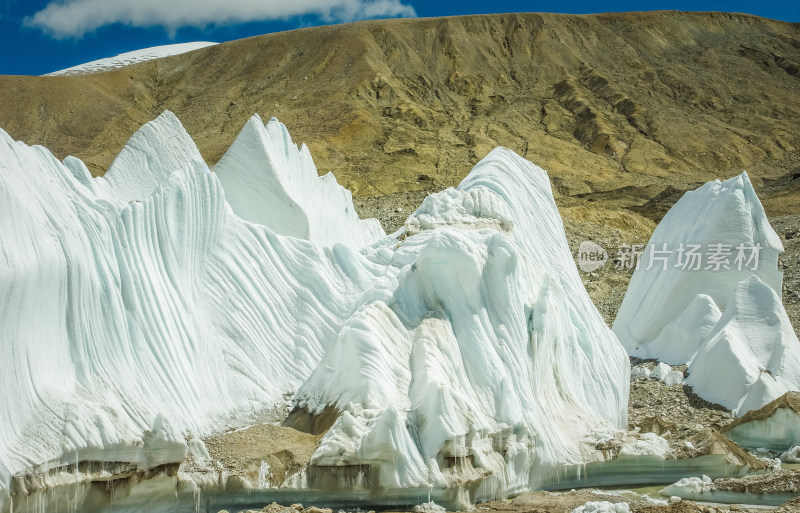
(130, 58)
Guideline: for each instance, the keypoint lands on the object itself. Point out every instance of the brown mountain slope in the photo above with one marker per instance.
(626, 111)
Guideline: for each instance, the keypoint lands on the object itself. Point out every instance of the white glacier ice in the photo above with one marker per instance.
(444, 353)
(689, 486)
(681, 337)
(673, 378)
(142, 309)
(727, 213)
(661, 372)
(603, 507)
(157, 154)
(722, 313)
(428, 507)
(752, 355)
(268, 180)
(792, 455)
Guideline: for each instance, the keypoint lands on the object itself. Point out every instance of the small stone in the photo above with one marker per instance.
(314, 509)
(274, 508)
(675, 499)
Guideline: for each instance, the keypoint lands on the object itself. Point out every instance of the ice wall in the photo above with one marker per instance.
(775, 426)
(141, 307)
(148, 302)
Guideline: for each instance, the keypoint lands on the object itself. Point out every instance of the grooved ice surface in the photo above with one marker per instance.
(141, 307)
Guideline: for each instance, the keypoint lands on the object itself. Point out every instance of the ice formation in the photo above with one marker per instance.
(791, 456)
(689, 487)
(666, 375)
(775, 426)
(707, 293)
(704, 489)
(752, 355)
(269, 181)
(603, 507)
(428, 507)
(661, 372)
(462, 358)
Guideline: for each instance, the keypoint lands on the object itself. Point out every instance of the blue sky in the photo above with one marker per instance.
(39, 36)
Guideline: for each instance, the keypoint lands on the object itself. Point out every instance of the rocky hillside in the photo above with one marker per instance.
(626, 111)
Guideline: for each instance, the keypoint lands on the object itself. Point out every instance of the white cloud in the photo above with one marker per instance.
(75, 18)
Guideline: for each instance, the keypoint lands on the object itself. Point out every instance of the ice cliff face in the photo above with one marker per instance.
(165, 300)
(707, 293)
(775, 427)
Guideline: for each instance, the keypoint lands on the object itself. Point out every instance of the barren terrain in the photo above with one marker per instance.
(625, 111)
